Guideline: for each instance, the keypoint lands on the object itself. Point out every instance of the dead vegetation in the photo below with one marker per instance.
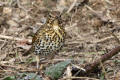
(92, 30)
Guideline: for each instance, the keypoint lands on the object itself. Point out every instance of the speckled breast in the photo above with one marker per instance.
(48, 44)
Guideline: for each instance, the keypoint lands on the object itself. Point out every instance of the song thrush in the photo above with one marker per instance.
(49, 39)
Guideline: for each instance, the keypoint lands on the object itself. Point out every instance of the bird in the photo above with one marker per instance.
(49, 39)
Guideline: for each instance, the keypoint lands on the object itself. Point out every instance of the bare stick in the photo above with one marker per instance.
(102, 59)
(15, 38)
(20, 6)
(98, 14)
(71, 7)
(1, 71)
(92, 66)
(108, 38)
(20, 68)
(87, 78)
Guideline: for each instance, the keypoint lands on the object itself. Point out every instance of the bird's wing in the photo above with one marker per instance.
(38, 34)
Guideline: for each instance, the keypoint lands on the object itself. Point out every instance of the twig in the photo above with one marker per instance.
(68, 72)
(87, 78)
(102, 59)
(98, 14)
(15, 38)
(109, 2)
(105, 39)
(19, 5)
(104, 71)
(90, 67)
(21, 69)
(4, 43)
(71, 7)
(3, 3)
(1, 71)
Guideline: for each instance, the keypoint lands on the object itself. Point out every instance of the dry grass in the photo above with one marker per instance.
(89, 33)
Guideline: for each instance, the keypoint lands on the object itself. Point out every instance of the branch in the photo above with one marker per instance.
(71, 7)
(104, 58)
(90, 67)
(15, 38)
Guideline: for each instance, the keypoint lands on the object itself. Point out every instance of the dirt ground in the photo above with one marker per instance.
(92, 30)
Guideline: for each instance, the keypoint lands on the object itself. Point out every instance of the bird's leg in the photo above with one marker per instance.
(39, 66)
(38, 61)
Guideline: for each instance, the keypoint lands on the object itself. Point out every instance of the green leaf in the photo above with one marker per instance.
(56, 71)
(102, 76)
(9, 78)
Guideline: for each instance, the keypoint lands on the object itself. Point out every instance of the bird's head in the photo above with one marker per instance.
(54, 20)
